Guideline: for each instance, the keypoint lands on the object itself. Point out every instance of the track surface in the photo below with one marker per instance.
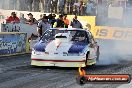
(16, 72)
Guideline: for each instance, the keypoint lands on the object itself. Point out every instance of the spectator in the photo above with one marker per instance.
(22, 18)
(75, 23)
(13, 18)
(81, 8)
(29, 4)
(52, 19)
(31, 20)
(59, 23)
(89, 8)
(36, 5)
(47, 6)
(66, 21)
(61, 6)
(77, 8)
(54, 6)
(43, 25)
(69, 6)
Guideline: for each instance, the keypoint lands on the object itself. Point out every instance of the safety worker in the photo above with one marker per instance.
(59, 23)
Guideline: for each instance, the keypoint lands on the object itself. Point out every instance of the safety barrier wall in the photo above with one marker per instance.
(12, 43)
(18, 27)
(103, 32)
(100, 32)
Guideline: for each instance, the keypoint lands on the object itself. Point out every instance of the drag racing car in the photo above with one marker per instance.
(64, 47)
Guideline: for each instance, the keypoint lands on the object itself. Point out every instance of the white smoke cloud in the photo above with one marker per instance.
(114, 52)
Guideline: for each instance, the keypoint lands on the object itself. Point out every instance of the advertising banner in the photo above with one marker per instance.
(18, 27)
(115, 33)
(12, 43)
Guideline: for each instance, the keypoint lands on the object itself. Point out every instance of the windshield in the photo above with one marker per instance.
(71, 35)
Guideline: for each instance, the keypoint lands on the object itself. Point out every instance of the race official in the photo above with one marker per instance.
(43, 25)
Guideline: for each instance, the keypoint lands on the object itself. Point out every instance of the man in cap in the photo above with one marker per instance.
(13, 18)
(31, 20)
(43, 25)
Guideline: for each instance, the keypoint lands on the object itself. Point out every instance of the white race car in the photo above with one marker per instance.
(65, 48)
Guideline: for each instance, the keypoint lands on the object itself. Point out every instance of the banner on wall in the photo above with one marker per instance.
(115, 33)
(18, 27)
(12, 43)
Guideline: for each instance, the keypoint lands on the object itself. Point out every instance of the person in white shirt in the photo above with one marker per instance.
(43, 25)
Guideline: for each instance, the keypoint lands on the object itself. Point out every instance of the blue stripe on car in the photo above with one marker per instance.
(40, 46)
(77, 47)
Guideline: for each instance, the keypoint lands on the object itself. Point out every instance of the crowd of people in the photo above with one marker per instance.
(45, 22)
(76, 7)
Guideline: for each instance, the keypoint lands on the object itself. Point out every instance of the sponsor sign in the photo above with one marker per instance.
(18, 27)
(12, 43)
(85, 20)
(115, 33)
(84, 78)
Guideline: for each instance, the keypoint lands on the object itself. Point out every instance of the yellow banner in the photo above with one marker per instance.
(85, 20)
(116, 33)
